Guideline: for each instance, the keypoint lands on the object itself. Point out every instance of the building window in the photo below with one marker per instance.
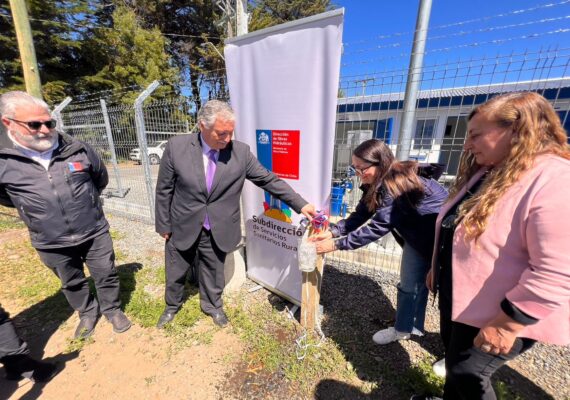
(425, 132)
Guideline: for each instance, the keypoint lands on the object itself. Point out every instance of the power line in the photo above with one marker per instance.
(454, 24)
(474, 44)
(499, 58)
(463, 33)
(75, 26)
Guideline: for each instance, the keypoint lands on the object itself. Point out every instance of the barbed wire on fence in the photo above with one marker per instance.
(461, 23)
(463, 46)
(460, 34)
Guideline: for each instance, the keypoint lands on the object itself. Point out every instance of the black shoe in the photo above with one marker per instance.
(165, 318)
(220, 318)
(85, 327)
(23, 366)
(119, 321)
(424, 397)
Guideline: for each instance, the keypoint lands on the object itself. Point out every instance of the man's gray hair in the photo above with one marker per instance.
(213, 110)
(9, 101)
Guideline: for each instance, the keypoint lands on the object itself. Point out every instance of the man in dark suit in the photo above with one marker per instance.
(199, 185)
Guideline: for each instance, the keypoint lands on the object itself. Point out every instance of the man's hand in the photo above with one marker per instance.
(166, 236)
(309, 211)
(321, 236)
(325, 246)
(499, 335)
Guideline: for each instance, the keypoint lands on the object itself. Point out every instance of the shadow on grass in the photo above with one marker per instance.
(127, 277)
(142, 297)
(39, 322)
(355, 307)
(36, 325)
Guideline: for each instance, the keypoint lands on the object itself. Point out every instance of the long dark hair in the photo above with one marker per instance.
(398, 178)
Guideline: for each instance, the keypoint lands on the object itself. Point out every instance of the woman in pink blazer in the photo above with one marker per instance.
(501, 261)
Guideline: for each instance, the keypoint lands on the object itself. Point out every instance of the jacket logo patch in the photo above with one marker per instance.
(75, 166)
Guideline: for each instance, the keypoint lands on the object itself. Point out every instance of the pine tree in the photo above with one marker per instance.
(131, 56)
(266, 13)
(55, 41)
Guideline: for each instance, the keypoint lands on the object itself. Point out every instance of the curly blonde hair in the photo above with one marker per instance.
(536, 130)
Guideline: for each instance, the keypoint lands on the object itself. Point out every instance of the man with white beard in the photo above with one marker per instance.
(54, 181)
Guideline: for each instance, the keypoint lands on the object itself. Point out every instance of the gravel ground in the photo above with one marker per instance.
(358, 306)
(355, 307)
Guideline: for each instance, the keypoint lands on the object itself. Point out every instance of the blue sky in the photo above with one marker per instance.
(378, 33)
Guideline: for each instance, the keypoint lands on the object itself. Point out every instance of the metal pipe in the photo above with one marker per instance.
(141, 136)
(57, 111)
(414, 79)
(109, 133)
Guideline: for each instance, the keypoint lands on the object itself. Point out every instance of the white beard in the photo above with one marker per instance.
(40, 142)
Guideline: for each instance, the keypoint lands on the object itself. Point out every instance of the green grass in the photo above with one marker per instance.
(421, 379)
(273, 343)
(116, 235)
(503, 392)
(24, 273)
(9, 219)
(76, 345)
(271, 340)
(146, 307)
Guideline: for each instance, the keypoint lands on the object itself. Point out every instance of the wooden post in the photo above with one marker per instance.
(311, 293)
(26, 46)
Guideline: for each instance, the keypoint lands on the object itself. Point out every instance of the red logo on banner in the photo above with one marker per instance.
(285, 151)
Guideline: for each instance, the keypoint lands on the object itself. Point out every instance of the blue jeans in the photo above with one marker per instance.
(412, 291)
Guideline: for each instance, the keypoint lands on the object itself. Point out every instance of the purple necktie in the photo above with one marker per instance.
(210, 172)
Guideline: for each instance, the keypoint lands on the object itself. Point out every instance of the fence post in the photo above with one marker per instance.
(141, 135)
(109, 134)
(414, 79)
(57, 111)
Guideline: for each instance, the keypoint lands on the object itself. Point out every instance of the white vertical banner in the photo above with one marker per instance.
(283, 85)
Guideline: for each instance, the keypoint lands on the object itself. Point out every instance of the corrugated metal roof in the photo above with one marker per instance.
(554, 83)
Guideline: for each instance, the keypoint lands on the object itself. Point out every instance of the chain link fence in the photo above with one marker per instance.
(371, 106)
(131, 137)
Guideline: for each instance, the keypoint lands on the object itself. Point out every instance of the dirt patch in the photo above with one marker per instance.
(140, 363)
(251, 380)
(12, 235)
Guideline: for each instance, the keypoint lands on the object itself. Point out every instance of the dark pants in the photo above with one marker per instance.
(207, 260)
(10, 342)
(468, 369)
(67, 264)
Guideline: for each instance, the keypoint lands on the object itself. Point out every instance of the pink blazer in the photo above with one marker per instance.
(523, 255)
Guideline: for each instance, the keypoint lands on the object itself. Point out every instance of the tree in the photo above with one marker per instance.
(266, 13)
(86, 46)
(131, 56)
(56, 44)
(189, 26)
(198, 27)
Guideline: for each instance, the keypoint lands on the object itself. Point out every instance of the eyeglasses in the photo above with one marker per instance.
(360, 171)
(36, 125)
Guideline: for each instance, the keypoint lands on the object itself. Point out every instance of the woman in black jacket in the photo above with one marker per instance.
(396, 199)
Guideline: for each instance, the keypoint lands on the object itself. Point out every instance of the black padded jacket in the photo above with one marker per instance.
(60, 205)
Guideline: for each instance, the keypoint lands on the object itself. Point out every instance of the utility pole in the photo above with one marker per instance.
(413, 83)
(227, 16)
(241, 17)
(26, 46)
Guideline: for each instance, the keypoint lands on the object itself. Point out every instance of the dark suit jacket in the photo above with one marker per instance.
(182, 199)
